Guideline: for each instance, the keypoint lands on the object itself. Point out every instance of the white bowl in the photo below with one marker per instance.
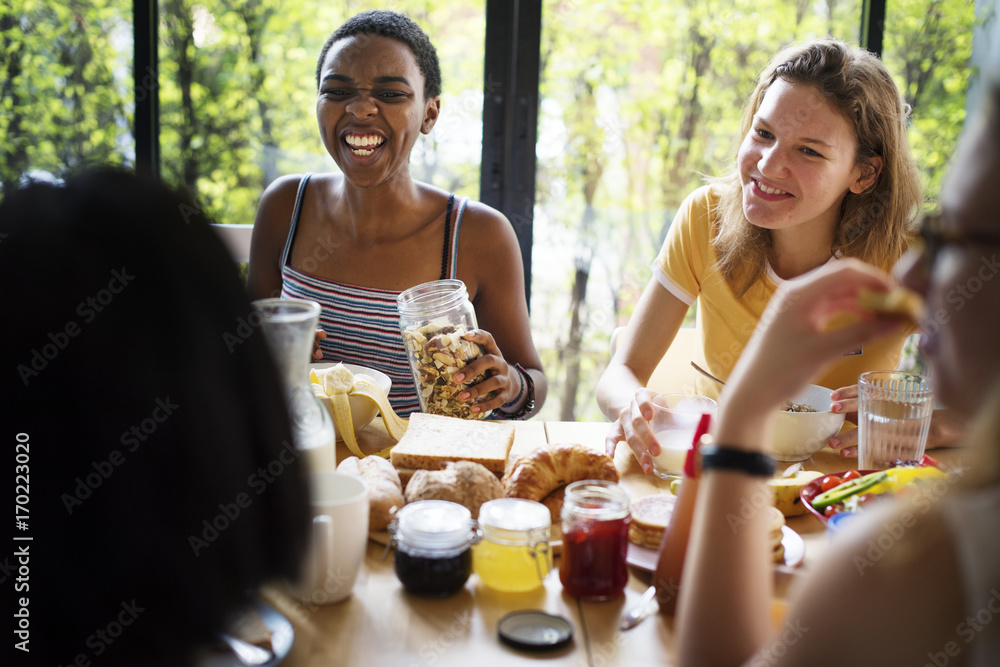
(799, 435)
(363, 410)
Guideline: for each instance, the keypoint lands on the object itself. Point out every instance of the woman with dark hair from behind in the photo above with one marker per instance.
(162, 486)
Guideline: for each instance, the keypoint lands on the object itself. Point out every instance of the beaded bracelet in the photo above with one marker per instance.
(529, 404)
(520, 392)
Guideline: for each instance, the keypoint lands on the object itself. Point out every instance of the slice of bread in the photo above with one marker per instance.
(430, 440)
(898, 301)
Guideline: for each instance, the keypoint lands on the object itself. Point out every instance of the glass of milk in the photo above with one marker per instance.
(675, 420)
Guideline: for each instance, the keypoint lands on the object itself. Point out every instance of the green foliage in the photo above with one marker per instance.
(644, 101)
(65, 80)
(640, 100)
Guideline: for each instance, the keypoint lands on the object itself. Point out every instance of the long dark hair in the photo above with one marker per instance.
(163, 485)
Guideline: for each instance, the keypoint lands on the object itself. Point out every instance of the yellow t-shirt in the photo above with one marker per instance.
(687, 267)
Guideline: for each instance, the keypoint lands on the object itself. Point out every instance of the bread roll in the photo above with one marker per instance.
(385, 492)
(463, 482)
(544, 470)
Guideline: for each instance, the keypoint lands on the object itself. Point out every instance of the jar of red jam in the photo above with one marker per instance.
(433, 541)
(595, 518)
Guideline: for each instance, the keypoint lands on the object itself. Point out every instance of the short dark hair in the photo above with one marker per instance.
(150, 410)
(394, 26)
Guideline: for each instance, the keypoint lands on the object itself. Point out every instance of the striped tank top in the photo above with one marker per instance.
(362, 323)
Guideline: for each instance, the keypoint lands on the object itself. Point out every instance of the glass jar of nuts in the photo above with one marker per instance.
(434, 318)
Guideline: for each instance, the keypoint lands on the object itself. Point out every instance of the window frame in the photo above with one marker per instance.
(510, 103)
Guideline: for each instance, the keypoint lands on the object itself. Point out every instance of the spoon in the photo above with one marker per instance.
(639, 611)
(247, 653)
(707, 374)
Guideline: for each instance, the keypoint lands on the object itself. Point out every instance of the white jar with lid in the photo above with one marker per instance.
(433, 541)
(434, 318)
(514, 554)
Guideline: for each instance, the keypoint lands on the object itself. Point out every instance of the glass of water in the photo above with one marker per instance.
(894, 416)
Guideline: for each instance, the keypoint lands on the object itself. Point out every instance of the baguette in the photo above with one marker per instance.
(432, 440)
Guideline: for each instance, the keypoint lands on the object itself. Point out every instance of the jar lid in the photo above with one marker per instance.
(510, 518)
(535, 631)
(434, 524)
(598, 498)
(432, 298)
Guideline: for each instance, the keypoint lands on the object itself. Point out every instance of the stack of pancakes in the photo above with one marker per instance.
(650, 516)
(775, 522)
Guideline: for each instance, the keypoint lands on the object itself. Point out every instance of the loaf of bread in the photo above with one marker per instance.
(432, 440)
(539, 473)
(385, 492)
(463, 482)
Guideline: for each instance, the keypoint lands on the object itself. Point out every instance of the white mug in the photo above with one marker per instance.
(338, 539)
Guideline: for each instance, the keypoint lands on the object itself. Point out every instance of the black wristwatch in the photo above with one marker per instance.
(730, 458)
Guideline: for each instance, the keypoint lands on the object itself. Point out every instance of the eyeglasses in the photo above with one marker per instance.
(935, 237)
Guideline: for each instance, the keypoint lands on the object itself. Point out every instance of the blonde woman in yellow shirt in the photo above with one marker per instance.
(824, 172)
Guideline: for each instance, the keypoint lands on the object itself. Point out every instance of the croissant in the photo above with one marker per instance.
(536, 475)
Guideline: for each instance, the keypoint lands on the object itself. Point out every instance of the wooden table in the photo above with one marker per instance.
(380, 624)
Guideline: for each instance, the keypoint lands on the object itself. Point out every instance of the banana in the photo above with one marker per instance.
(337, 384)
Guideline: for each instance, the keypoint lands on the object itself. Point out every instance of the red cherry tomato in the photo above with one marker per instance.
(833, 509)
(829, 482)
(851, 474)
(926, 460)
(866, 498)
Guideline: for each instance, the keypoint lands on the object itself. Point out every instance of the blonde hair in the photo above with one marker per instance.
(875, 226)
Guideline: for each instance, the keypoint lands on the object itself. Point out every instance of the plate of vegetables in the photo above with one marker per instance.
(852, 490)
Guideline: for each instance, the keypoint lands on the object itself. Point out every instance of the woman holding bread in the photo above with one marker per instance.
(823, 173)
(354, 240)
(929, 596)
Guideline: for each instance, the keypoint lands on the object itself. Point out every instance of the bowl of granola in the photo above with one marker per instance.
(805, 424)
